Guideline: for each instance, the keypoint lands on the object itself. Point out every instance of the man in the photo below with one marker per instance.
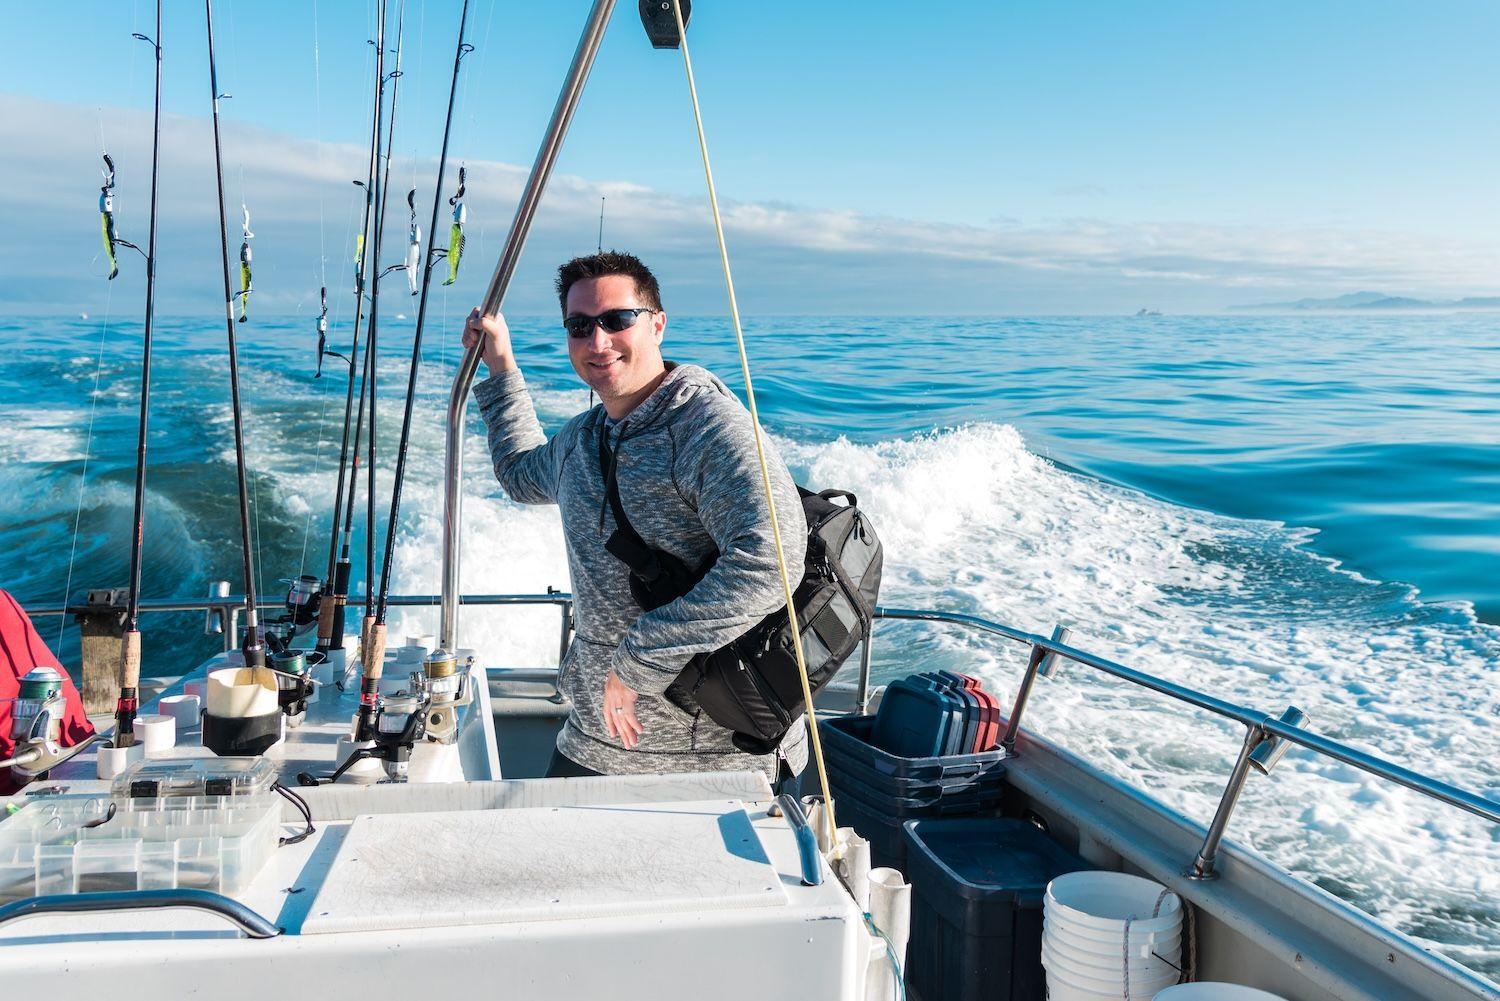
(684, 455)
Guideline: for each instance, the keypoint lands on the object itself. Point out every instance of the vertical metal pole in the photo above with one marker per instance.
(1203, 865)
(1035, 665)
(567, 633)
(458, 398)
(863, 698)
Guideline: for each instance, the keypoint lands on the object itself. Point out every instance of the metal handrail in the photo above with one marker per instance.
(230, 601)
(458, 396)
(1263, 732)
(1267, 724)
(227, 607)
(248, 921)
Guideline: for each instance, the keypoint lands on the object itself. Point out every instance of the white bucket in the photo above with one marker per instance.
(1094, 923)
(1114, 958)
(1062, 989)
(1102, 901)
(1074, 932)
(1146, 976)
(1142, 943)
(1208, 991)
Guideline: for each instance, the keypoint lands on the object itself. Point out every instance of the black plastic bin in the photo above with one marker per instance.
(875, 792)
(849, 737)
(976, 917)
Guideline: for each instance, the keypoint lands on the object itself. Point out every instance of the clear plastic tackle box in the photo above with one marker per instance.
(75, 844)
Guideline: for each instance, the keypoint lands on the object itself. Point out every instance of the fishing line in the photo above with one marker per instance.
(250, 646)
(760, 446)
(323, 275)
(369, 685)
(88, 442)
(425, 262)
(88, 451)
(331, 614)
(384, 188)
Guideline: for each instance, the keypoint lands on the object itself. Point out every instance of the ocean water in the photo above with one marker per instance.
(1276, 510)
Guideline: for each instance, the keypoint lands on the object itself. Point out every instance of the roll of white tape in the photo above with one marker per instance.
(157, 733)
(185, 709)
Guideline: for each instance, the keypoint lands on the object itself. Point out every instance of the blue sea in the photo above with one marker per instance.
(1280, 510)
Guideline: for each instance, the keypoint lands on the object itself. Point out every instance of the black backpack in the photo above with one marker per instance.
(752, 685)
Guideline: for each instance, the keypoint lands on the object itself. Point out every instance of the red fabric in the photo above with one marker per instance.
(21, 649)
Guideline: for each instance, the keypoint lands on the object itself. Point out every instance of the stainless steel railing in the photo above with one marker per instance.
(1264, 733)
(226, 608)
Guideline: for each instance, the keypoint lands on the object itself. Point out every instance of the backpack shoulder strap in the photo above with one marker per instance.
(625, 543)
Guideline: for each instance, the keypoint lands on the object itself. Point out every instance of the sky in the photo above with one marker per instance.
(873, 157)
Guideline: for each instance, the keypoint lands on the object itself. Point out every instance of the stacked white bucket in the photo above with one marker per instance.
(1109, 935)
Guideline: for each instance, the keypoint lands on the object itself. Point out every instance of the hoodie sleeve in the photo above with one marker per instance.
(526, 460)
(718, 473)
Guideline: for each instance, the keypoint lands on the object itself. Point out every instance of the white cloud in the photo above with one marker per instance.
(788, 258)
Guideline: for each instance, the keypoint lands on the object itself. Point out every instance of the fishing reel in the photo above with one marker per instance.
(448, 689)
(304, 598)
(400, 725)
(294, 685)
(36, 725)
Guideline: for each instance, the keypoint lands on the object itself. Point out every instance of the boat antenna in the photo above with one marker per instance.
(600, 247)
(377, 632)
(251, 646)
(368, 687)
(130, 644)
(336, 592)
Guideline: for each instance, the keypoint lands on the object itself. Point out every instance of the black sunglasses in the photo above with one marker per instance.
(613, 320)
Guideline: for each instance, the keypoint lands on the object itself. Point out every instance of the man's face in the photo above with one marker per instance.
(619, 364)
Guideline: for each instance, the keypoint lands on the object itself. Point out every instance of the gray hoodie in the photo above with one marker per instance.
(690, 483)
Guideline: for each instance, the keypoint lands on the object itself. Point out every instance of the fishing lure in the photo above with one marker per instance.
(322, 331)
(245, 289)
(456, 232)
(413, 245)
(107, 216)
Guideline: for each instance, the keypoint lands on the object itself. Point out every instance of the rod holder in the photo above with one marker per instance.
(1271, 750)
(1257, 741)
(213, 618)
(1050, 659)
(1042, 661)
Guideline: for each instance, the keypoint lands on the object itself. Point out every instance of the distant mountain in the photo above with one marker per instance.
(1374, 301)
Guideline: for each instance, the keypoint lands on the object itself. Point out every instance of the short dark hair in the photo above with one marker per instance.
(602, 265)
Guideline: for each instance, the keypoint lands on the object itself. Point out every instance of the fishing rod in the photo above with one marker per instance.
(130, 644)
(370, 684)
(252, 647)
(377, 631)
(335, 597)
